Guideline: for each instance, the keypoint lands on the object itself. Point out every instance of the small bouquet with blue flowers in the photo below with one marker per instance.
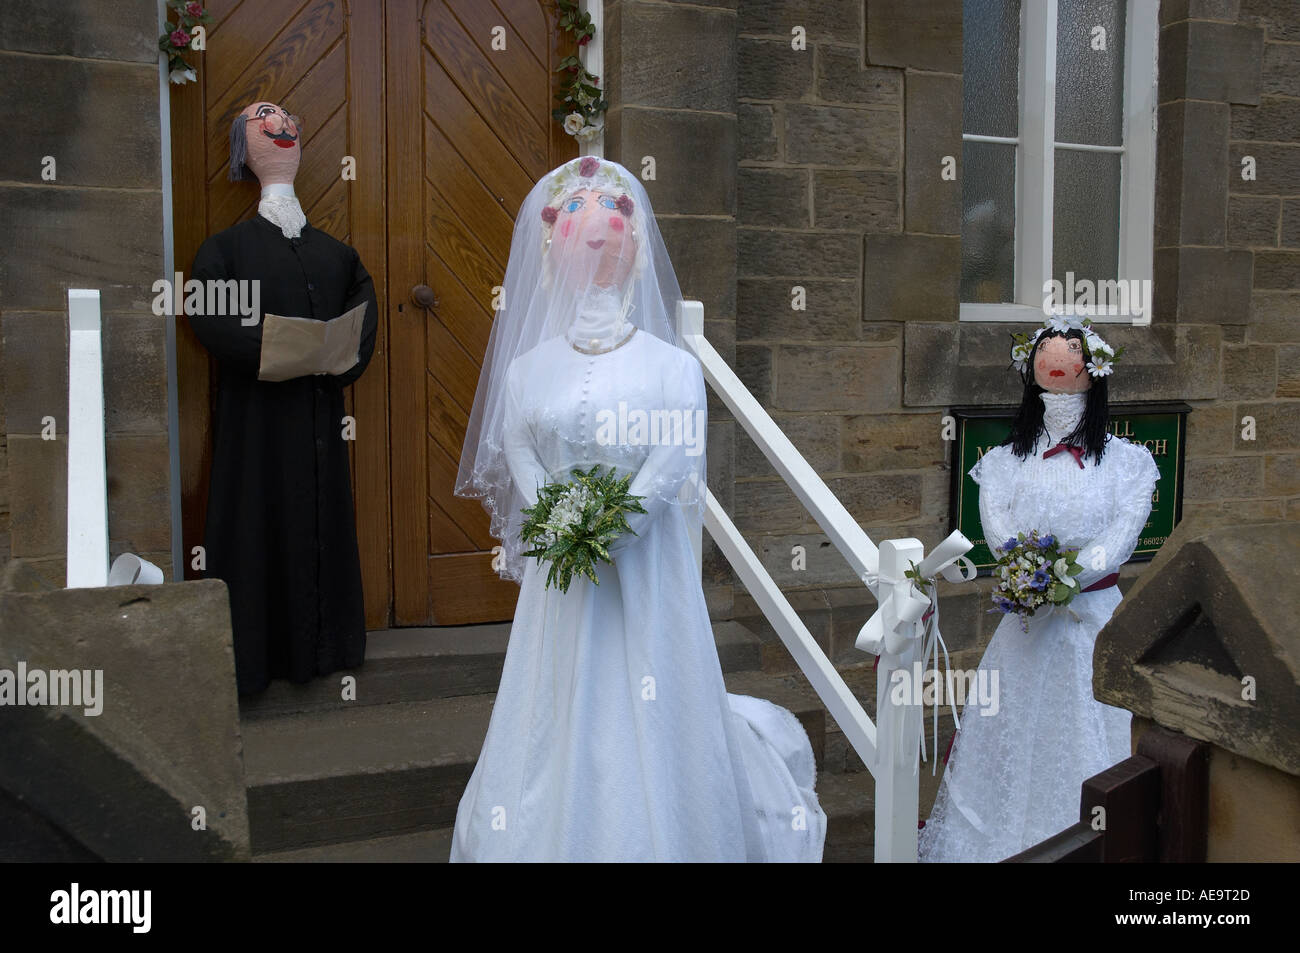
(1034, 571)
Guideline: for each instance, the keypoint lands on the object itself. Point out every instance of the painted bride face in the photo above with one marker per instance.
(592, 240)
(1061, 366)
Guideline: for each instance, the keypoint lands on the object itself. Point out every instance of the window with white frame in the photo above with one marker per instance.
(1058, 158)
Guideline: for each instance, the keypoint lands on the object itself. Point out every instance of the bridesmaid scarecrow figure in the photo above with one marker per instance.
(1013, 776)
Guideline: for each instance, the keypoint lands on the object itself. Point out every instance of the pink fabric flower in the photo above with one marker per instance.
(588, 166)
(194, 9)
(549, 215)
(624, 203)
(180, 38)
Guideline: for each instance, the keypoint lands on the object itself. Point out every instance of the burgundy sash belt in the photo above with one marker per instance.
(1105, 582)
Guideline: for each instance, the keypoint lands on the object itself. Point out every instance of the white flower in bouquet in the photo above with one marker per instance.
(574, 122)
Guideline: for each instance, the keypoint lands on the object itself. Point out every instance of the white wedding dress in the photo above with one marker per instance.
(1013, 777)
(613, 737)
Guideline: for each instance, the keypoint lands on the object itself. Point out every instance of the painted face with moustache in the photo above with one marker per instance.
(274, 149)
(1061, 366)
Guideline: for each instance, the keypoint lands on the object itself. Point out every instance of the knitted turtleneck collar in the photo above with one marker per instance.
(1062, 413)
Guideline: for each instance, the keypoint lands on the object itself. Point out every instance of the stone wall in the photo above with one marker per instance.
(86, 95)
(839, 193)
(839, 198)
(670, 77)
(1228, 248)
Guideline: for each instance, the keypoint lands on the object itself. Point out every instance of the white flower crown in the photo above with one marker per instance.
(1102, 358)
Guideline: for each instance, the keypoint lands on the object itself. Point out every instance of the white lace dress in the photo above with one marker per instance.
(1013, 776)
(613, 737)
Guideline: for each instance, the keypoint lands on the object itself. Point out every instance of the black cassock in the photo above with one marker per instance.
(280, 525)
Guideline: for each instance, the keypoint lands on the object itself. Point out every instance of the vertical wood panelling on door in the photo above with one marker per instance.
(486, 135)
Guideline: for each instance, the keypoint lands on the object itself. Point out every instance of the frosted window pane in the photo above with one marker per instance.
(1085, 226)
(988, 177)
(990, 66)
(1090, 81)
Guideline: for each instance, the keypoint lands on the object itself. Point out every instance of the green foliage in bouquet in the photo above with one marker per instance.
(573, 523)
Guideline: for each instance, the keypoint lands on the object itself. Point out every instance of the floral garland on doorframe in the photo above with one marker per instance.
(180, 40)
(582, 108)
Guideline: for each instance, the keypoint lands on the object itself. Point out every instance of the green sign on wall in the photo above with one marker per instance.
(1160, 427)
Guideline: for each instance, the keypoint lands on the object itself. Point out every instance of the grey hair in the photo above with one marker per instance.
(239, 171)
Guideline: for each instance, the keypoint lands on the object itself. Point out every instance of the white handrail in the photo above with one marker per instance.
(835, 695)
(849, 538)
(881, 746)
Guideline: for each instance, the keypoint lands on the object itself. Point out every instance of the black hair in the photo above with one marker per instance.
(1090, 434)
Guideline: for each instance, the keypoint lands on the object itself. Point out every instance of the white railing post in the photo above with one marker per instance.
(902, 630)
(87, 471)
(898, 714)
(690, 321)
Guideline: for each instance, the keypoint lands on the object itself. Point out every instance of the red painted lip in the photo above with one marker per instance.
(596, 244)
(1058, 373)
(285, 143)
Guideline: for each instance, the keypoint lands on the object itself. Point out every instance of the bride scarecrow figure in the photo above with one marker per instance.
(613, 737)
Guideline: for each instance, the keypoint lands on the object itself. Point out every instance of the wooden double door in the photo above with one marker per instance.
(425, 122)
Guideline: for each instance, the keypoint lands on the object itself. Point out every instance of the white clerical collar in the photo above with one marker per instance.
(279, 205)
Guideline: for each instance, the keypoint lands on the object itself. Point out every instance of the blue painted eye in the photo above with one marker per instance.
(574, 204)
(608, 201)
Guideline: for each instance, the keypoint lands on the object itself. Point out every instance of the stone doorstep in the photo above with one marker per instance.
(847, 800)
(420, 664)
(354, 773)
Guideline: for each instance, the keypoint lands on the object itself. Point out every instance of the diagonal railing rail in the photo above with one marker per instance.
(897, 784)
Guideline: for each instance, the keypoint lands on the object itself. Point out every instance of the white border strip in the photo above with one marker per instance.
(173, 387)
(87, 472)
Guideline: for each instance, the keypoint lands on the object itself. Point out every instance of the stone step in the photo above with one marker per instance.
(847, 800)
(420, 847)
(365, 771)
(417, 664)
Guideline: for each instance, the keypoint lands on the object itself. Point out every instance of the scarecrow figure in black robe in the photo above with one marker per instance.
(280, 526)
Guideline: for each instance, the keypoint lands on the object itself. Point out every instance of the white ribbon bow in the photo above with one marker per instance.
(905, 601)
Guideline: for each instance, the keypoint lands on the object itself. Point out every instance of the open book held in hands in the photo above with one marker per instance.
(299, 347)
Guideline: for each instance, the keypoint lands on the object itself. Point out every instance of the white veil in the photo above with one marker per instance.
(556, 270)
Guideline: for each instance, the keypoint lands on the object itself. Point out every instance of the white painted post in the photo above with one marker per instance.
(592, 57)
(87, 471)
(690, 320)
(898, 723)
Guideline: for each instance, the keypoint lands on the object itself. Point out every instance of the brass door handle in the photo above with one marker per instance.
(422, 296)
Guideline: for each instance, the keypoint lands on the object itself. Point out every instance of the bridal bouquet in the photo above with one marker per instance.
(573, 523)
(1034, 571)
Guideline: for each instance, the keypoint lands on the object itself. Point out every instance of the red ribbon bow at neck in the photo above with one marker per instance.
(1076, 452)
